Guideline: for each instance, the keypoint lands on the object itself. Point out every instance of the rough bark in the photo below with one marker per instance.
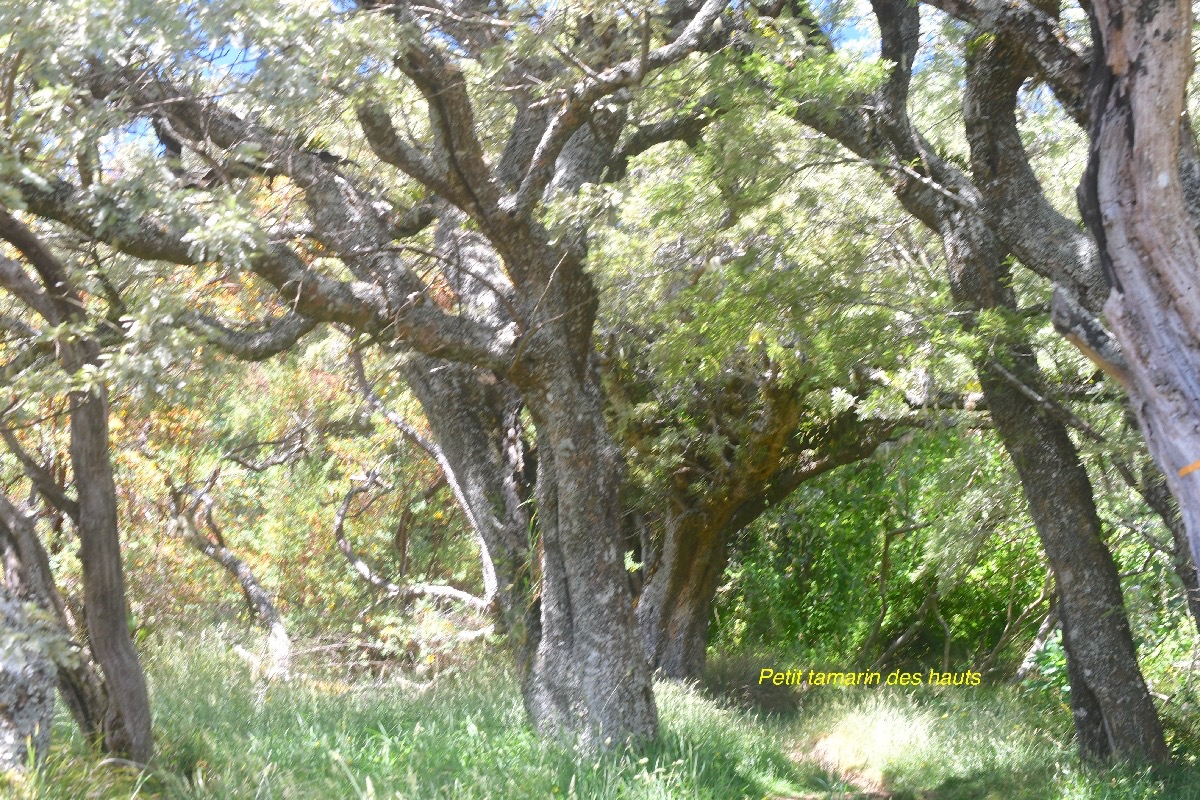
(589, 671)
(26, 684)
(673, 609)
(1132, 198)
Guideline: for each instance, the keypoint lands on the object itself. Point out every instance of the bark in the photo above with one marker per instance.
(26, 684)
(1091, 731)
(1132, 198)
(127, 729)
(27, 573)
(673, 609)
(1108, 693)
(589, 672)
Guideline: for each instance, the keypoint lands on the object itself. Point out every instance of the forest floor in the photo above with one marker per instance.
(327, 735)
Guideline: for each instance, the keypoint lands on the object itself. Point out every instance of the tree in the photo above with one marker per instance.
(587, 674)
(977, 230)
(54, 297)
(1138, 199)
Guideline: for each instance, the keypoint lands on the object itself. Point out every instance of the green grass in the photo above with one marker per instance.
(222, 736)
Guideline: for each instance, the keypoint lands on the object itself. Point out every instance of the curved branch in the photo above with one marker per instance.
(279, 645)
(435, 451)
(685, 128)
(279, 336)
(392, 590)
(43, 481)
(1037, 34)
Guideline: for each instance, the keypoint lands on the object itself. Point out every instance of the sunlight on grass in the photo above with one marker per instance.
(220, 735)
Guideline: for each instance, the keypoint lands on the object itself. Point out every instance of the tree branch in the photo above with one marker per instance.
(280, 335)
(392, 590)
(43, 481)
(685, 127)
(578, 100)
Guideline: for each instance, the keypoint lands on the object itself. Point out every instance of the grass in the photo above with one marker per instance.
(222, 736)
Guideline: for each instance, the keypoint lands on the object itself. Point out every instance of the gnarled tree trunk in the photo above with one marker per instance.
(127, 730)
(1133, 202)
(674, 607)
(589, 672)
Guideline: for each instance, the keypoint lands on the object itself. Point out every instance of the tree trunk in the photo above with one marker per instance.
(1133, 202)
(772, 459)
(1105, 675)
(127, 729)
(1086, 711)
(589, 673)
(27, 573)
(127, 724)
(1153, 488)
(673, 609)
(26, 684)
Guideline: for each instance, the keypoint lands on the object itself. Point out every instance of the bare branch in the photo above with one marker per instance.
(435, 451)
(54, 276)
(392, 590)
(289, 448)
(16, 280)
(54, 493)
(394, 149)
(578, 100)
(1085, 332)
(184, 520)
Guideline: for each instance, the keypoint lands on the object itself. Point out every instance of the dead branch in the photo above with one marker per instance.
(392, 590)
